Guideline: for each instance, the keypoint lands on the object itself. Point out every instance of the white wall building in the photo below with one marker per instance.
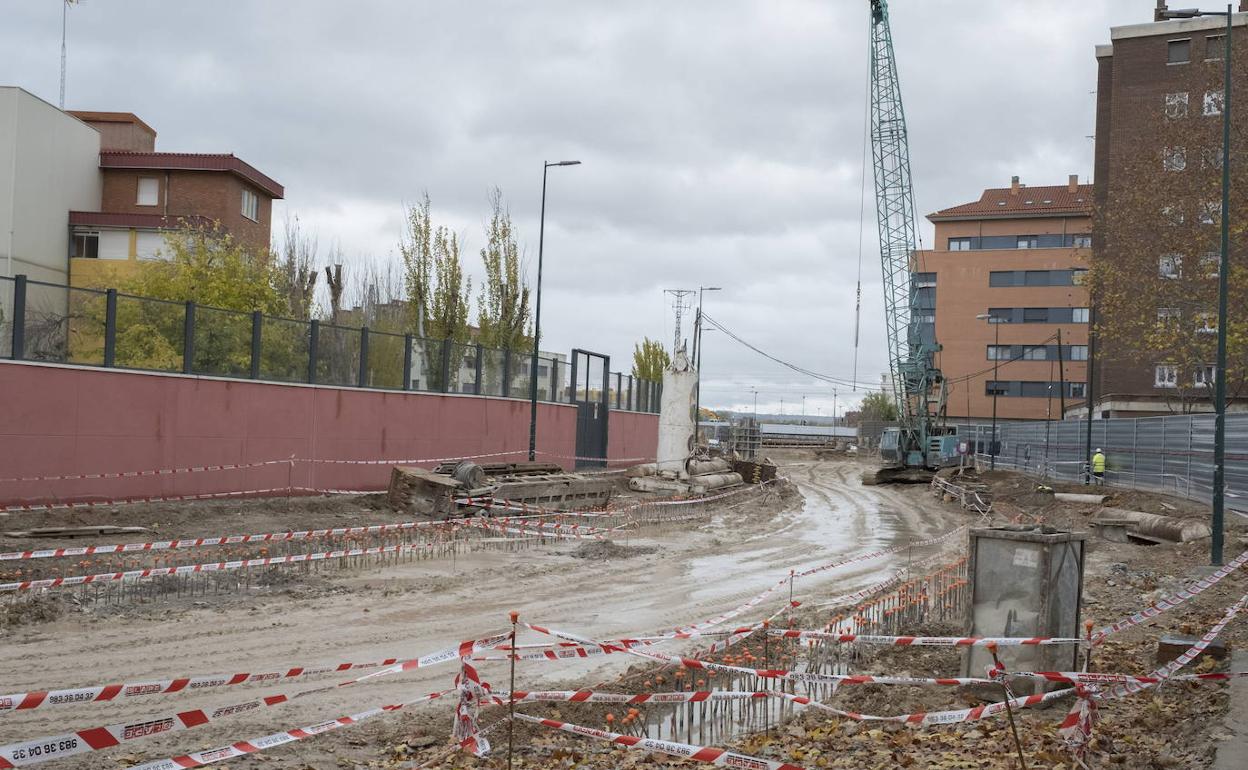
(49, 166)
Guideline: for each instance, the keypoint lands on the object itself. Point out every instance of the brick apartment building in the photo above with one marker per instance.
(86, 194)
(146, 193)
(1158, 81)
(1018, 255)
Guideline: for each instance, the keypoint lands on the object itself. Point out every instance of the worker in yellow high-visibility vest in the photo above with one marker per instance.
(1098, 466)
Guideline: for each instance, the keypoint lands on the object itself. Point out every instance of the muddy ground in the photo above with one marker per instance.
(696, 570)
(650, 581)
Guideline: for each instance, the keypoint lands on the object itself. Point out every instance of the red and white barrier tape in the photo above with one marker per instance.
(1090, 677)
(241, 748)
(922, 641)
(188, 684)
(107, 503)
(593, 696)
(1170, 602)
(794, 676)
(200, 542)
(704, 754)
(152, 472)
(187, 569)
(937, 717)
(1168, 671)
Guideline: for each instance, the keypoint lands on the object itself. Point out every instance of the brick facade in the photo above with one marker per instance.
(210, 194)
(1134, 77)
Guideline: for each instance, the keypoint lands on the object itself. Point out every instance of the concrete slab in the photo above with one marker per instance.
(1233, 752)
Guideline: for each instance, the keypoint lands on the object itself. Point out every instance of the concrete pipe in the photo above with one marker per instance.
(645, 469)
(704, 467)
(710, 481)
(1153, 525)
(1073, 497)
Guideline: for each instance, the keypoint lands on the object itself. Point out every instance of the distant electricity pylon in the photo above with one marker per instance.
(679, 303)
(64, 21)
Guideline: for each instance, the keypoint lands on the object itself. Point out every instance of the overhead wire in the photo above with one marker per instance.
(794, 367)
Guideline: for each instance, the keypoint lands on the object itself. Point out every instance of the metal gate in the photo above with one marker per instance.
(590, 380)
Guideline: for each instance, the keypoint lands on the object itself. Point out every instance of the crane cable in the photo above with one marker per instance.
(862, 216)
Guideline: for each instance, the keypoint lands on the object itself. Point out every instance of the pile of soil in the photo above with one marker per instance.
(607, 549)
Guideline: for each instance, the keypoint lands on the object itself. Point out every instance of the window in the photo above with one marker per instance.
(1211, 157)
(1169, 266)
(1035, 353)
(1206, 323)
(1214, 46)
(959, 244)
(1167, 314)
(1035, 315)
(1210, 213)
(1078, 353)
(999, 353)
(1176, 105)
(1079, 315)
(1174, 158)
(1210, 264)
(85, 245)
(924, 319)
(1037, 278)
(1213, 103)
(924, 280)
(1077, 389)
(251, 205)
(1205, 375)
(1026, 242)
(149, 191)
(1000, 315)
(993, 388)
(1172, 215)
(1165, 376)
(1179, 51)
(1081, 241)
(1078, 276)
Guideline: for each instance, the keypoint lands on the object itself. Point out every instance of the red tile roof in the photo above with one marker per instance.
(1007, 203)
(138, 221)
(94, 116)
(192, 161)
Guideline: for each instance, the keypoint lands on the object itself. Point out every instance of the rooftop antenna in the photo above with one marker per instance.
(64, 22)
(679, 303)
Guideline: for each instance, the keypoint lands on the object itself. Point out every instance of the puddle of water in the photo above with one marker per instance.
(826, 525)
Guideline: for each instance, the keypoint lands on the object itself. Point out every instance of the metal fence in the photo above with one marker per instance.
(1172, 454)
(102, 327)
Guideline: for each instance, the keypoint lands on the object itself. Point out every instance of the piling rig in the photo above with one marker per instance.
(922, 442)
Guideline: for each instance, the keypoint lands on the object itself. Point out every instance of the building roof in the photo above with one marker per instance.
(192, 161)
(94, 116)
(1022, 201)
(137, 221)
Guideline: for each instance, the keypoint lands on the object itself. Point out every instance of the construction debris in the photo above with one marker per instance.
(434, 493)
(84, 531)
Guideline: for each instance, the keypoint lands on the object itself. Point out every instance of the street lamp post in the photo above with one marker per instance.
(697, 360)
(537, 315)
(996, 383)
(1224, 270)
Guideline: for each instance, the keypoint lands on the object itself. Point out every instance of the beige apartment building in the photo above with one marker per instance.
(1018, 256)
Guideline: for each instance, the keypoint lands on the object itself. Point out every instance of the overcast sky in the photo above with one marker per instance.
(721, 140)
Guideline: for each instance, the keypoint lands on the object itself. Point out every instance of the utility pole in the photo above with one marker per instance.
(678, 302)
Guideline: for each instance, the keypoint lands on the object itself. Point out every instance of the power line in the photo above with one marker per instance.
(799, 369)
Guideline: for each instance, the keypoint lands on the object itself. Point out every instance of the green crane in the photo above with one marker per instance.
(921, 441)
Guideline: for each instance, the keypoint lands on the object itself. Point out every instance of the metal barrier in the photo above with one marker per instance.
(1171, 454)
(55, 323)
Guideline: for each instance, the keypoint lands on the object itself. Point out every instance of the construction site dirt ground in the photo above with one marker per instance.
(697, 569)
(683, 573)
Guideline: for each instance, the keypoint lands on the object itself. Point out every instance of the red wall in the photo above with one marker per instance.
(62, 420)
